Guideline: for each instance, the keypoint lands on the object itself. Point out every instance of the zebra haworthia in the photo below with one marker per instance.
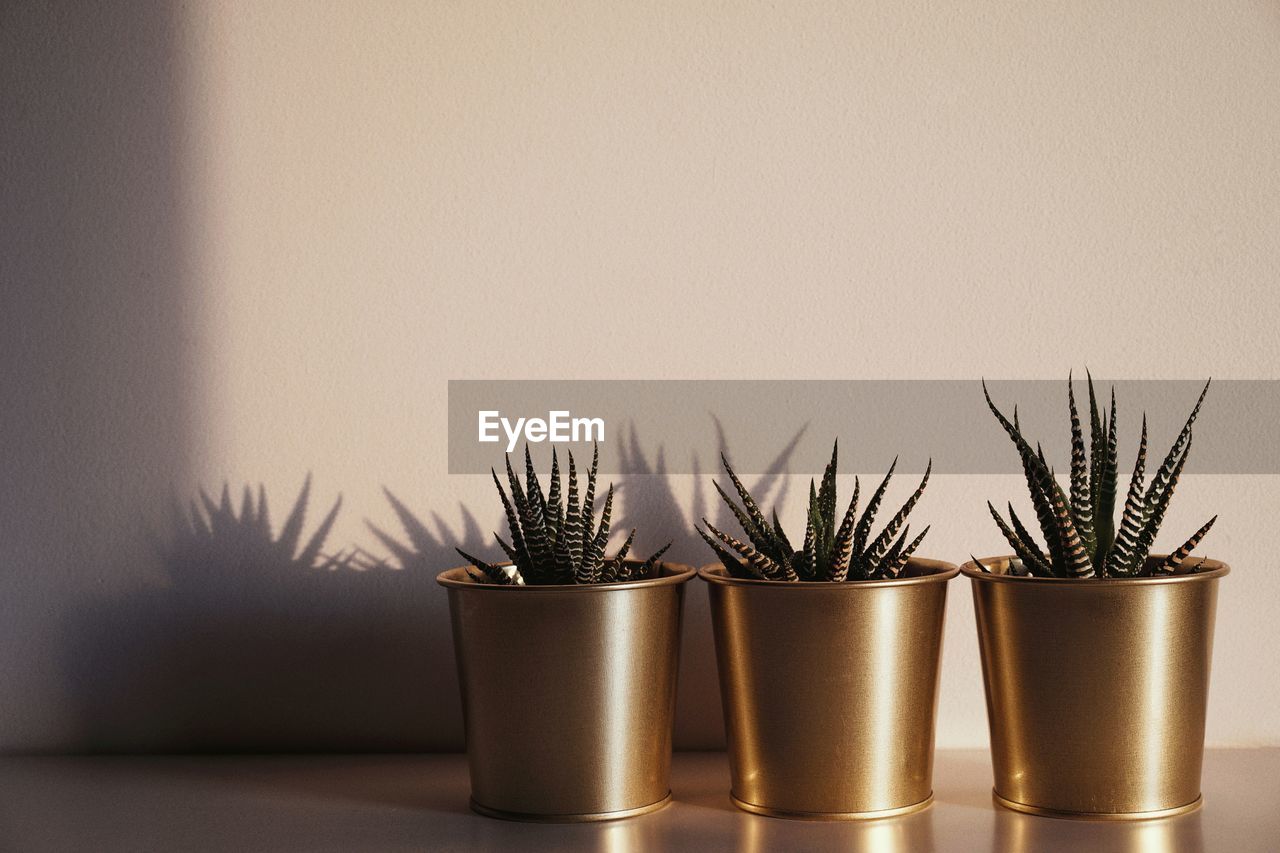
(1081, 537)
(837, 548)
(554, 538)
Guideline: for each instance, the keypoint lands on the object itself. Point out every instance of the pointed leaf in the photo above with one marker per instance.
(842, 552)
(900, 562)
(863, 530)
(1134, 516)
(759, 532)
(1174, 561)
(1081, 498)
(735, 566)
(763, 566)
(1104, 512)
(646, 569)
(1025, 552)
(873, 555)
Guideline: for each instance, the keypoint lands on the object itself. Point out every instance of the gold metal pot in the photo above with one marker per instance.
(568, 694)
(830, 691)
(1096, 689)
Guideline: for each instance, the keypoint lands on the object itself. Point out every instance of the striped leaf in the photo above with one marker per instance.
(616, 569)
(588, 508)
(1162, 479)
(1081, 494)
(533, 492)
(1026, 552)
(519, 552)
(876, 551)
(647, 568)
(1046, 519)
(1078, 563)
(766, 568)
(1097, 456)
(626, 546)
(760, 533)
(807, 566)
(781, 535)
(1017, 568)
(507, 549)
(1041, 485)
(533, 526)
(1067, 549)
(891, 556)
(1157, 502)
(758, 537)
(1104, 511)
(568, 550)
(554, 511)
(827, 497)
(487, 572)
(734, 566)
(828, 545)
(1028, 540)
(863, 530)
(843, 548)
(593, 554)
(900, 561)
(1135, 513)
(1174, 561)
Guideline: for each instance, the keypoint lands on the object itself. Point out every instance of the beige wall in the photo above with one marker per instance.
(378, 197)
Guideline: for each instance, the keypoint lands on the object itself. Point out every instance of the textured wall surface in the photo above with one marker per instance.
(249, 241)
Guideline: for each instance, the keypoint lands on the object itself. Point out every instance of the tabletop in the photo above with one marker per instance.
(419, 802)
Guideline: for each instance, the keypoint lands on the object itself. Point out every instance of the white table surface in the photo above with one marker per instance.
(419, 802)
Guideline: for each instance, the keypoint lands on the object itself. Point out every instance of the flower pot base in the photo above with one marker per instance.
(797, 815)
(1108, 816)
(591, 817)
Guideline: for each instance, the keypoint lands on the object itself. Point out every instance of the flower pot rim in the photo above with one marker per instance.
(939, 571)
(670, 574)
(1216, 569)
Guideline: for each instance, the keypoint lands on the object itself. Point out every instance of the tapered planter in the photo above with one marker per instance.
(568, 694)
(1096, 689)
(830, 691)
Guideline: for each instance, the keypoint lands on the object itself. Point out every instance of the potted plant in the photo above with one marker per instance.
(828, 656)
(567, 660)
(1095, 651)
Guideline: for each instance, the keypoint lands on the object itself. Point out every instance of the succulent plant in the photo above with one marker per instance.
(830, 553)
(213, 533)
(1079, 527)
(554, 538)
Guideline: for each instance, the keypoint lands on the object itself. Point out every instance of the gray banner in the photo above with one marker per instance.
(772, 426)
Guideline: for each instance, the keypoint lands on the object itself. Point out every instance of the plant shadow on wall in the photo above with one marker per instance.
(265, 641)
(649, 505)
